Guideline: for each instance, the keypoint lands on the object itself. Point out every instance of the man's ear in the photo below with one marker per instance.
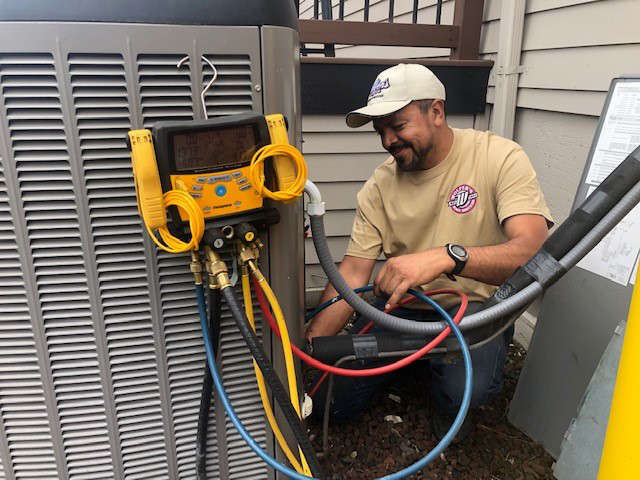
(437, 112)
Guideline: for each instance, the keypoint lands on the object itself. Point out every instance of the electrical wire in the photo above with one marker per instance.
(256, 171)
(248, 307)
(367, 372)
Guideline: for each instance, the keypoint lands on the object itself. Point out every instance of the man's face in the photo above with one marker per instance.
(407, 135)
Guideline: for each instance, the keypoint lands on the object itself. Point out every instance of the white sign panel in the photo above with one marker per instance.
(615, 256)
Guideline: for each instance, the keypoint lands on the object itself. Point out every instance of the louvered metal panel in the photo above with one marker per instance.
(101, 108)
(57, 260)
(101, 357)
(28, 446)
(232, 91)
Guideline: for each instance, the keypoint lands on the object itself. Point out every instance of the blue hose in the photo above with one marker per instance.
(217, 381)
(333, 300)
(466, 398)
(410, 470)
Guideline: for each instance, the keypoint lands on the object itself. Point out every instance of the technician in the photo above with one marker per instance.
(451, 208)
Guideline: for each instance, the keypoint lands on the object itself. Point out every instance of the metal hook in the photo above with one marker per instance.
(208, 86)
(179, 65)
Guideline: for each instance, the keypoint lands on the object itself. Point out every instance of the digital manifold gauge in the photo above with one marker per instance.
(209, 159)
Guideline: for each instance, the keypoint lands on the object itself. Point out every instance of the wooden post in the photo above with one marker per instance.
(468, 17)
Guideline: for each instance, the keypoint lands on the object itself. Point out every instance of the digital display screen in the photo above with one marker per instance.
(228, 147)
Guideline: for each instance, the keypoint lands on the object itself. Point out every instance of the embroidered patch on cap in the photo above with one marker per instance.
(463, 199)
(378, 86)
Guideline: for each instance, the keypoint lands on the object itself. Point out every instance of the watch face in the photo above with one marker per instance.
(458, 251)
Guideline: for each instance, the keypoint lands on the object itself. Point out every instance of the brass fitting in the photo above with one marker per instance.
(217, 269)
(247, 253)
(196, 267)
(256, 273)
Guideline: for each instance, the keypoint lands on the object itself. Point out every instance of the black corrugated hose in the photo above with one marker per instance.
(273, 381)
(215, 306)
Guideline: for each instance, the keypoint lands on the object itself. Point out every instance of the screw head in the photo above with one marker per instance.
(258, 88)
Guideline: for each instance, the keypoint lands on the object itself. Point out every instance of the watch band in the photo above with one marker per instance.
(460, 261)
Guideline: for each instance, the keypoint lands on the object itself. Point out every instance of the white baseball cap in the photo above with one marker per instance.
(395, 88)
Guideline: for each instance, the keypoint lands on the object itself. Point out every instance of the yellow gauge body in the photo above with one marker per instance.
(146, 179)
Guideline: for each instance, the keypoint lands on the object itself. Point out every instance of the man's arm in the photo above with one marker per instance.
(356, 272)
(492, 264)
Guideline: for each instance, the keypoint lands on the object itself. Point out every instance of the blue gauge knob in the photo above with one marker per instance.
(221, 190)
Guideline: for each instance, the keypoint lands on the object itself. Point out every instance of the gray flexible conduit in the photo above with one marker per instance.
(507, 306)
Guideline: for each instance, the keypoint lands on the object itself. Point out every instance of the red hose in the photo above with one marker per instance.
(367, 372)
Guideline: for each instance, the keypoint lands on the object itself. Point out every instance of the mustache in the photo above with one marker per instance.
(393, 149)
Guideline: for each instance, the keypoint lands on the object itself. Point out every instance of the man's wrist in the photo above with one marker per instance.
(447, 263)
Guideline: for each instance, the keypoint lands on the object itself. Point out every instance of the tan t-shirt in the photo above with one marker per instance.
(484, 180)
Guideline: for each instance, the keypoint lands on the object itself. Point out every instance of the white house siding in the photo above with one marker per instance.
(571, 50)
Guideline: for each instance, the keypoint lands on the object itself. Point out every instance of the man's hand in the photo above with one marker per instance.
(398, 274)
(356, 272)
(492, 264)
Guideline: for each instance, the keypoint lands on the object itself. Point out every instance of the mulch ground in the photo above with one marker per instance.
(373, 447)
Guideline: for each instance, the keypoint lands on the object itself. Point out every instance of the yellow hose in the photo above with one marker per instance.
(286, 342)
(188, 205)
(620, 459)
(248, 308)
(256, 172)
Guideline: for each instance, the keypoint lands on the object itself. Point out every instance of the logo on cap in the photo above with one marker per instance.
(463, 199)
(378, 86)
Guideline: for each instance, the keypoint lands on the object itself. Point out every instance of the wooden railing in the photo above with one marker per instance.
(462, 37)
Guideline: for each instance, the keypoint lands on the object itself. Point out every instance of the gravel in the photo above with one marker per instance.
(372, 447)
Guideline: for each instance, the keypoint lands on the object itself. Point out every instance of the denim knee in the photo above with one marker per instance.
(448, 375)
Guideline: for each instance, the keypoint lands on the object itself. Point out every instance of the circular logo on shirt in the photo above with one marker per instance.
(463, 198)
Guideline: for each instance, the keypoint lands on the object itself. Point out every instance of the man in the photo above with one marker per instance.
(450, 208)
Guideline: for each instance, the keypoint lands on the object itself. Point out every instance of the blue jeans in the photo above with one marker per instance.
(352, 395)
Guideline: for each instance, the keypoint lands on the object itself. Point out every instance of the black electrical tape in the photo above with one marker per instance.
(516, 282)
(572, 230)
(365, 346)
(215, 306)
(274, 382)
(598, 204)
(544, 268)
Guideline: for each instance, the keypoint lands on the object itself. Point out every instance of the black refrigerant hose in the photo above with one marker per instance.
(215, 307)
(579, 223)
(277, 388)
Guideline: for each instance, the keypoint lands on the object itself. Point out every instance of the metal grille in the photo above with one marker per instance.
(101, 356)
(231, 92)
(101, 110)
(48, 200)
(165, 90)
(26, 431)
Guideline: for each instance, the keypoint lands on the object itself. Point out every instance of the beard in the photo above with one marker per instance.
(408, 158)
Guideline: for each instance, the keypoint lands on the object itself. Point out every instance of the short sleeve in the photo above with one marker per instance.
(366, 239)
(517, 190)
